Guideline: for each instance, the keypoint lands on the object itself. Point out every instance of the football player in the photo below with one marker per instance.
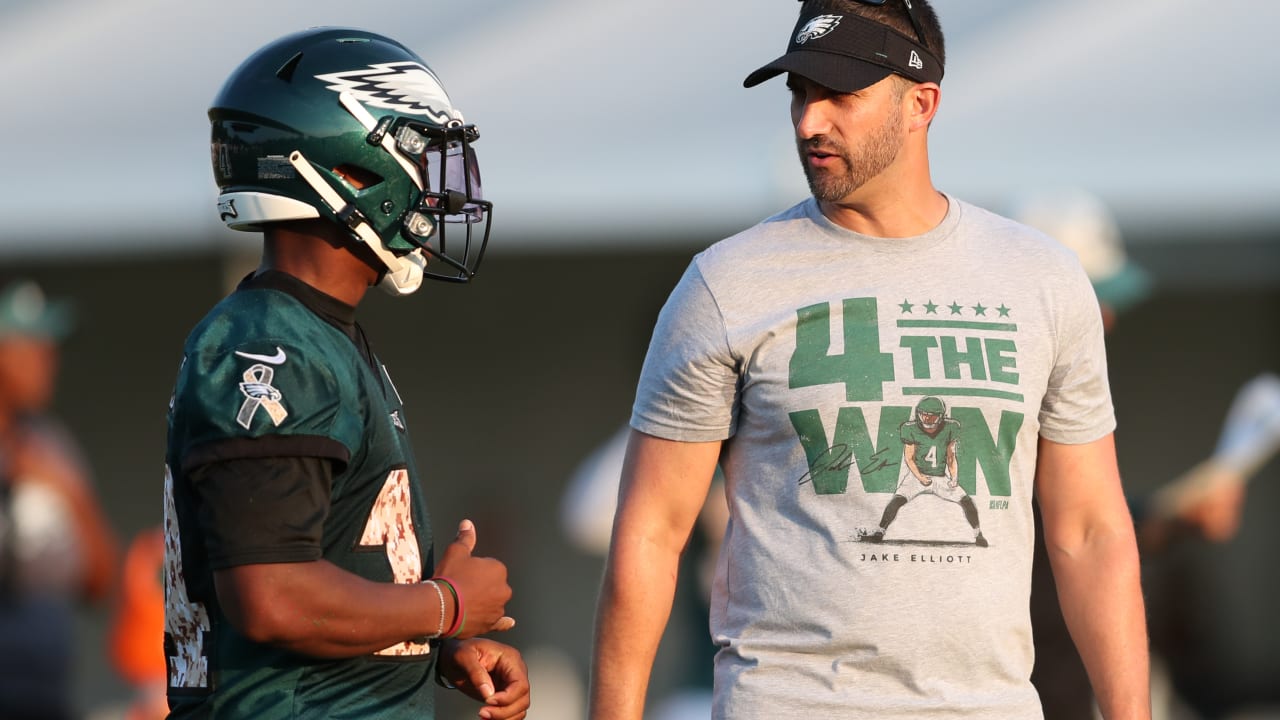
(929, 452)
(300, 577)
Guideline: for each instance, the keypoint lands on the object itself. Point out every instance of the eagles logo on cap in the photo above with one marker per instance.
(861, 54)
(817, 27)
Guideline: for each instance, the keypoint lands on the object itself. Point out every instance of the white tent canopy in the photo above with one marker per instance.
(602, 122)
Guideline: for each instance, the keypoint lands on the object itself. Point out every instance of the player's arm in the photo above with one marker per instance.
(262, 523)
(1089, 536)
(664, 484)
(909, 456)
(318, 609)
(953, 472)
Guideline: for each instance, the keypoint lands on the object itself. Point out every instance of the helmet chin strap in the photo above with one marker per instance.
(403, 272)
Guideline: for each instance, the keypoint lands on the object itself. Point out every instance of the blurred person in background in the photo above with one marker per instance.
(1205, 503)
(57, 549)
(300, 569)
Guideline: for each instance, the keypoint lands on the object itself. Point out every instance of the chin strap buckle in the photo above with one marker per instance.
(351, 216)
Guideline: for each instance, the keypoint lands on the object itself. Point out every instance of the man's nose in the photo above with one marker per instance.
(812, 118)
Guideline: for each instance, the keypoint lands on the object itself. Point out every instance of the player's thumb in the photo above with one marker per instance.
(467, 535)
(481, 681)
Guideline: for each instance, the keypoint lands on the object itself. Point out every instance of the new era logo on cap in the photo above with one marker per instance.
(817, 27)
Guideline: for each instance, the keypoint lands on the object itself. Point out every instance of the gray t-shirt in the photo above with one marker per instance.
(808, 347)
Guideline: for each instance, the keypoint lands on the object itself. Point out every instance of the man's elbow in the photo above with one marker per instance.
(258, 619)
(1111, 537)
(256, 609)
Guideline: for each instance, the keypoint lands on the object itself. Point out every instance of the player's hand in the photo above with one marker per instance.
(481, 584)
(952, 482)
(490, 672)
(924, 479)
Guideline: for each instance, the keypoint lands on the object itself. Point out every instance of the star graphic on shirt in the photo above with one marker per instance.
(906, 306)
(955, 307)
(930, 308)
(979, 309)
(1004, 311)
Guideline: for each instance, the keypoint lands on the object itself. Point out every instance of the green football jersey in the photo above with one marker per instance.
(931, 450)
(277, 371)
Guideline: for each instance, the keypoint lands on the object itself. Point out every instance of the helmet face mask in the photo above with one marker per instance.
(451, 196)
(353, 127)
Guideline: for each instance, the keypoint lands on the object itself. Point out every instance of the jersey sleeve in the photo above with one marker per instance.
(263, 399)
(262, 510)
(689, 383)
(1077, 404)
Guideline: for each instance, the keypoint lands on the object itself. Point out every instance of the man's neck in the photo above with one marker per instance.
(322, 262)
(893, 213)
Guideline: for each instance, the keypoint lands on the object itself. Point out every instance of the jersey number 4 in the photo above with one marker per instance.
(390, 526)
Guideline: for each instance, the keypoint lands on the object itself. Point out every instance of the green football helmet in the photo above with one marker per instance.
(353, 127)
(930, 412)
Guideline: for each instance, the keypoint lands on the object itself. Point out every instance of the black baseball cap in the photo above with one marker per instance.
(847, 52)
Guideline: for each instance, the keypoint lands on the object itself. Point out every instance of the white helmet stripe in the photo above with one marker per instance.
(247, 210)
(365, 118)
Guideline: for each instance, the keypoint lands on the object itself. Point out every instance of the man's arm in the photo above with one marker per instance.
(1089, 536)
(664, 484)
(321, 610)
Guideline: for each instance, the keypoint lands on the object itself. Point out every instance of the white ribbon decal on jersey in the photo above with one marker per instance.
(259, 393)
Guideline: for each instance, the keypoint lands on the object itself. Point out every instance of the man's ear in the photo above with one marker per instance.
(922, 104)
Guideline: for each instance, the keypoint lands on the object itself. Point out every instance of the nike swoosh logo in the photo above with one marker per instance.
(276, 359)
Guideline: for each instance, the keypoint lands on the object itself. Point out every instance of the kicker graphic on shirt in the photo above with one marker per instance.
(938, 446)
(929, 453)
